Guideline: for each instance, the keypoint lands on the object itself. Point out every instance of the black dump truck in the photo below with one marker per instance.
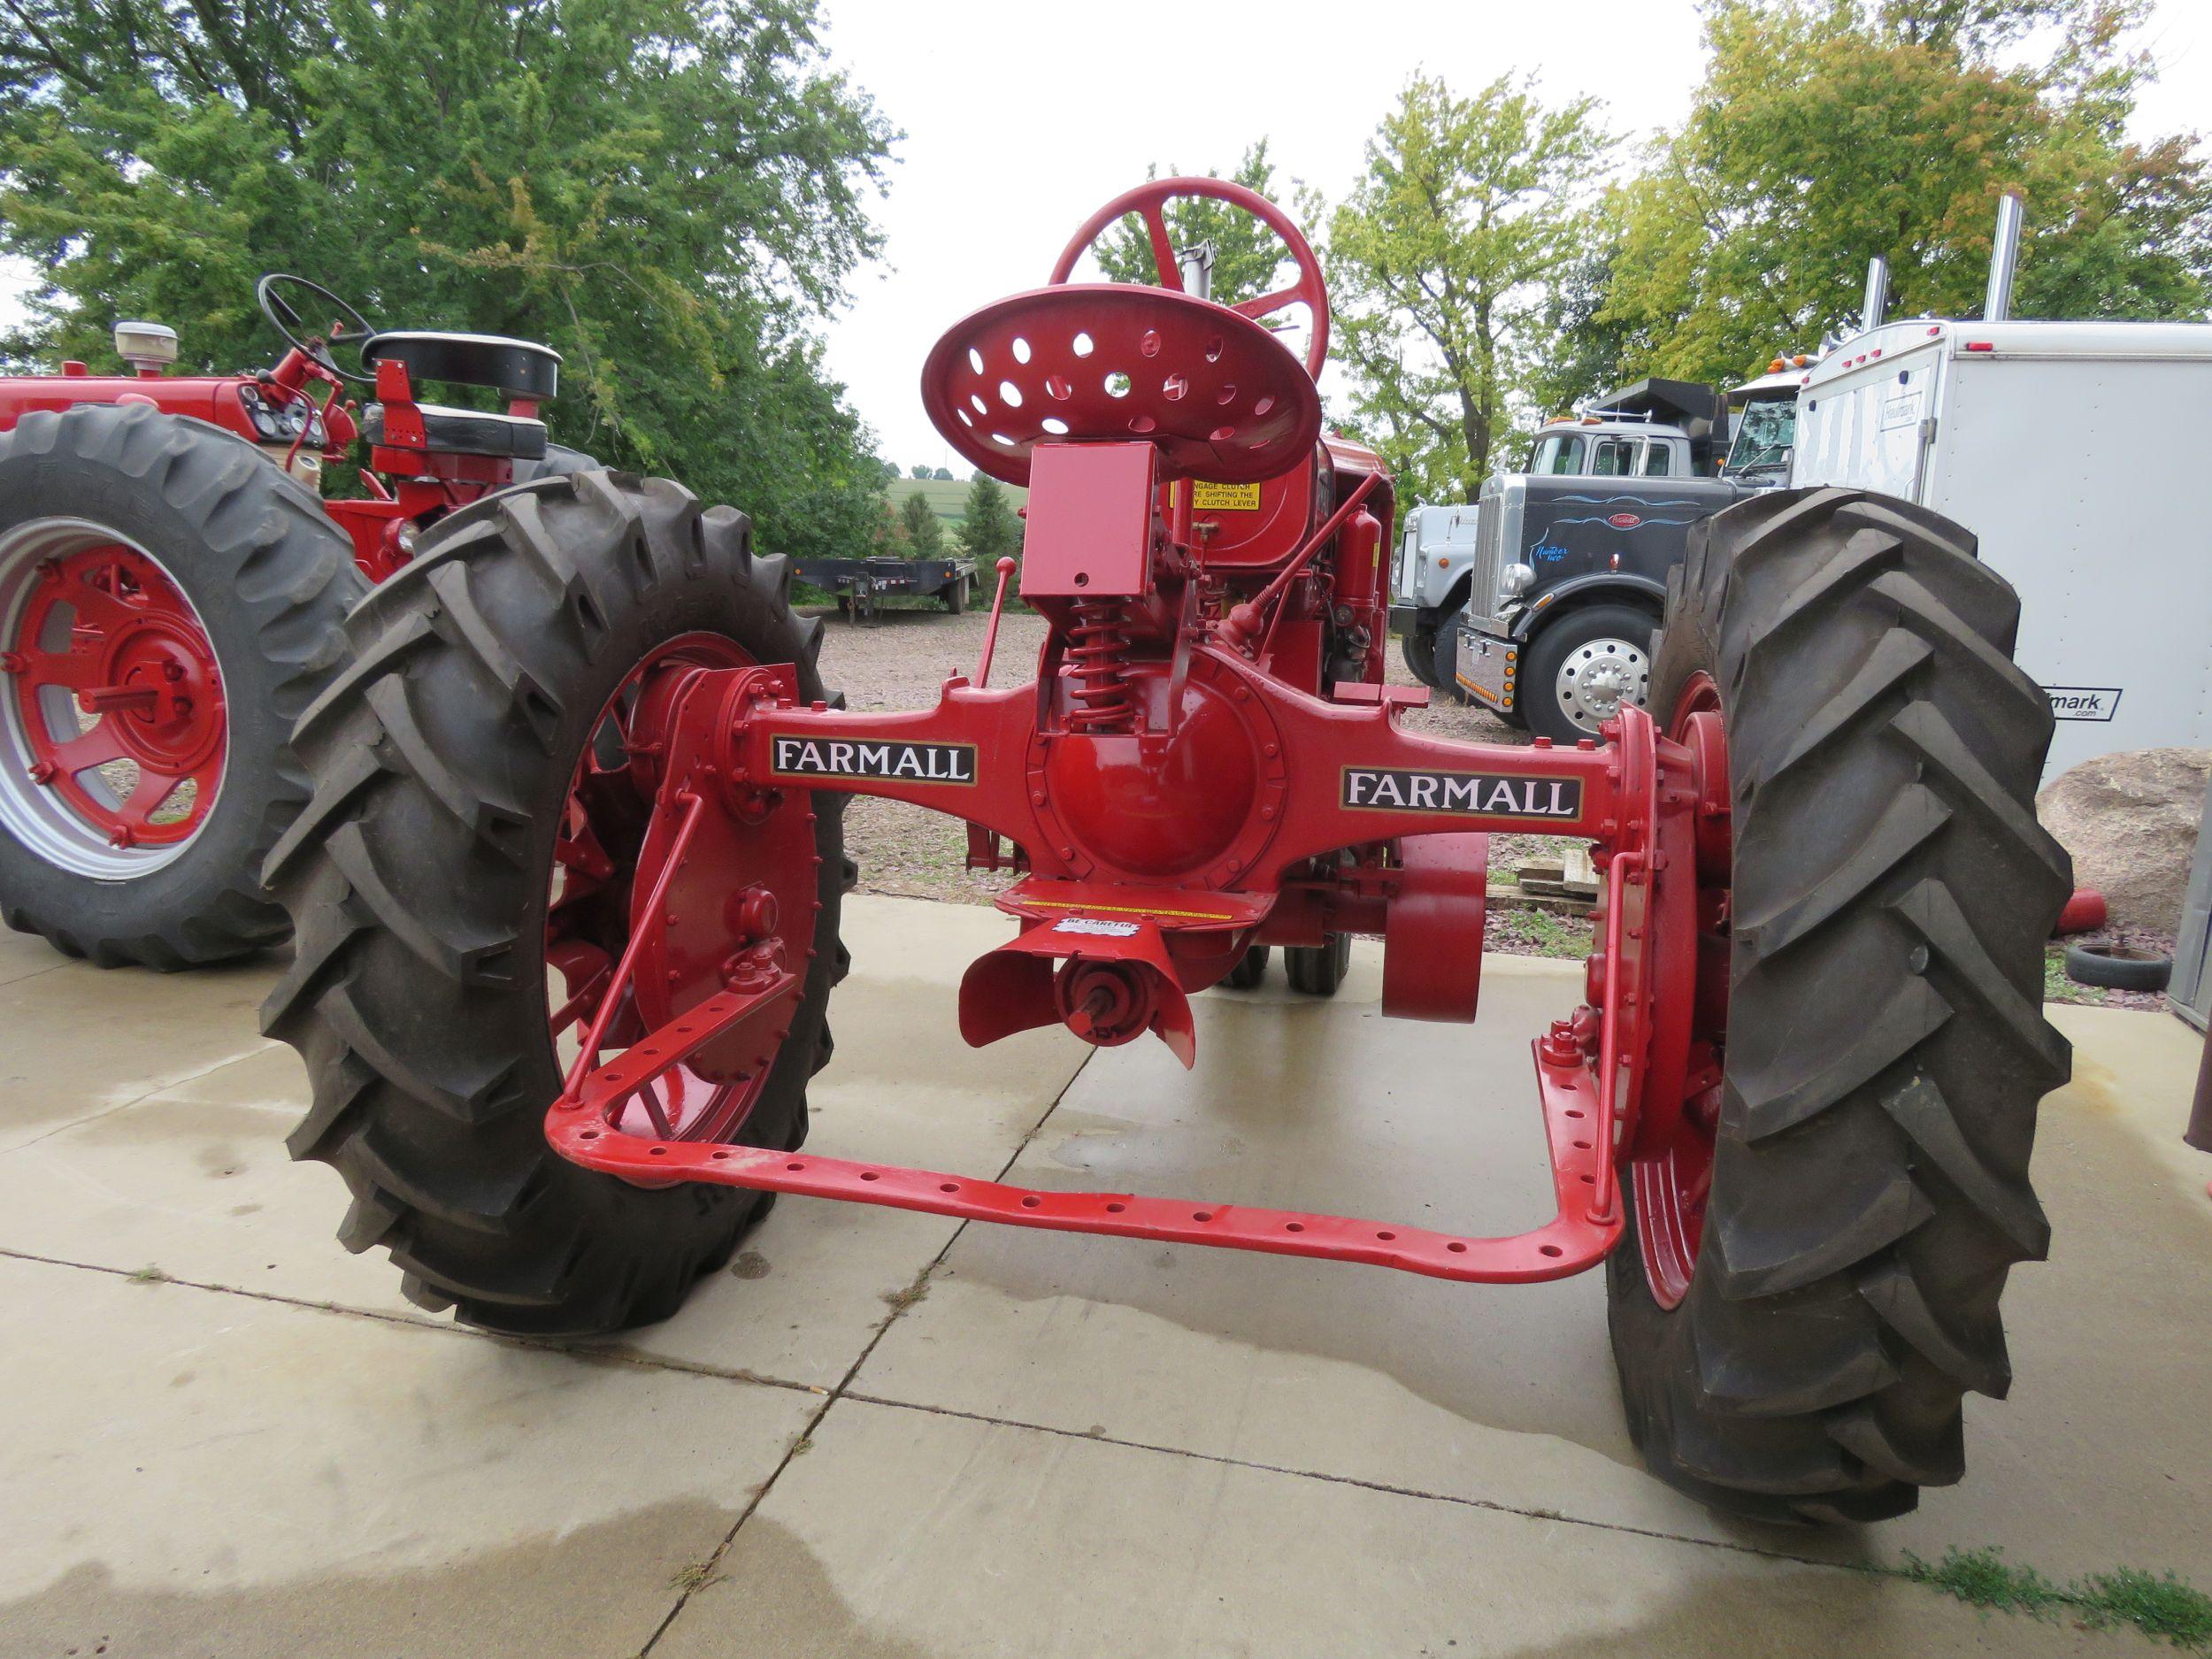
(1539, 601)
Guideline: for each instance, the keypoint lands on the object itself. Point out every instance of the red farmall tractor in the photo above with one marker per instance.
(171, 589)
(567, 891)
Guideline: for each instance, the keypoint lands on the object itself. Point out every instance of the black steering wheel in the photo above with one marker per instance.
(285, 318)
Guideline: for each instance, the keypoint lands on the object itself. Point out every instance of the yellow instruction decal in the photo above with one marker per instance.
(1209, 498)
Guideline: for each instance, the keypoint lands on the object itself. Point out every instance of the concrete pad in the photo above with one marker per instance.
(903, 1534)
(82, 1041)
(191, 1472)
(810, 1287)
(2099, 1455)
(193, 1179)
(1508, 1394)
(22, 955)
(1502, 1393)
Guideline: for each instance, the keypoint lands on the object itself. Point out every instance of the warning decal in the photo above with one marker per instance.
(1211, 498)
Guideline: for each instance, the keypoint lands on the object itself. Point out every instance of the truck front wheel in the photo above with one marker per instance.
(1582, 667)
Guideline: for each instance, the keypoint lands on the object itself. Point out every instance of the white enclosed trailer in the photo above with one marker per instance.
(2037, 437)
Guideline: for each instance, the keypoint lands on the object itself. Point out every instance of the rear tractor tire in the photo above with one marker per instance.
(1795, 1323)
(476, 737)
(169, 603)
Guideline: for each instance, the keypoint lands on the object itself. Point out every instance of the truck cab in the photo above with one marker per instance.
(1599, 448)
(1655, 429)
(1552, 629)
(1762, 422)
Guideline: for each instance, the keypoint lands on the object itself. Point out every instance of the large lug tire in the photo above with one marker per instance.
(1891, 895)
(419, 877)
(253, 574)
(558, 461)
(1579, 665)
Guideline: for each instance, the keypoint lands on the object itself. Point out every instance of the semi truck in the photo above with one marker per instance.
(1539, 599)
(2015, 430)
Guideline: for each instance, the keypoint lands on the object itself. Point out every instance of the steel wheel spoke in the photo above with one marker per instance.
(147, 795)
(98, 608)
(78, 671)
(95, 748)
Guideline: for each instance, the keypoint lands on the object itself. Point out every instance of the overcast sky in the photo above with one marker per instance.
(1021, 119)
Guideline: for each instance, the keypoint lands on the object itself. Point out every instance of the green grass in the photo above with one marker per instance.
(1540, 934)
(2057, 987)
(2163, 1608)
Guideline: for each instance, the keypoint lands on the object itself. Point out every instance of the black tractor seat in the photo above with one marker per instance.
(520, 368)
(467, 432)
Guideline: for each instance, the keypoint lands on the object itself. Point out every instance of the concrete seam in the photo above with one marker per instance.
(806, 1435)
(435, 1327)
(1492, 1504)
(136, 1100)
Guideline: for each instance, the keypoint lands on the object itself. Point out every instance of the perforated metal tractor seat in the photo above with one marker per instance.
(467, 432)
(520, 368)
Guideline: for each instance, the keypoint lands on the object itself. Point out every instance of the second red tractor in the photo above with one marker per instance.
(172, 584)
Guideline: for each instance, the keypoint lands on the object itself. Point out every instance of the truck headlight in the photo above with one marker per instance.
(1515, 580)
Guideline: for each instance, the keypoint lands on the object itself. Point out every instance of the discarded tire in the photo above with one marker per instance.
(2118, 967)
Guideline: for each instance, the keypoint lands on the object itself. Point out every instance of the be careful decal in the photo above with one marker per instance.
(1467, 794)
(834, 758)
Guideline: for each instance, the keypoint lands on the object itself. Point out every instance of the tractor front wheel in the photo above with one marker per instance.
(169, 603)
(1318, 970)
(1811, 1276)
(462, 887)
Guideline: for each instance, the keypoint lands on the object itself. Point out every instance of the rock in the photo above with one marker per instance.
(2131, 822)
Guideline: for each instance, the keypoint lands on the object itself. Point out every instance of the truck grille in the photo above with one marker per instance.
(1482, 592)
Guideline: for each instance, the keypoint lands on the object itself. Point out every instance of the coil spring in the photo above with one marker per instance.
(1098, 650)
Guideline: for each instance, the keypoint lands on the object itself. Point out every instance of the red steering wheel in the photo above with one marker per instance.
(1147, 200)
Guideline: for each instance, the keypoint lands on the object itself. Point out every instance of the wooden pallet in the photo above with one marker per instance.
(1573, 876)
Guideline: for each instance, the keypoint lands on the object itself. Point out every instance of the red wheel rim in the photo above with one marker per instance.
(115, 714)
(1672, 1169)
(603, 839)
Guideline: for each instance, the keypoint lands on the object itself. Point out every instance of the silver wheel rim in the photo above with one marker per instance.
(1597, 676)
(46, 824)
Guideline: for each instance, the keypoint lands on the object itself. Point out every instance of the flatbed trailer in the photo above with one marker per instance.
(859, 583)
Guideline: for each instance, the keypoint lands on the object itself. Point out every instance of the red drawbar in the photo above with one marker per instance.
(1571, 1241)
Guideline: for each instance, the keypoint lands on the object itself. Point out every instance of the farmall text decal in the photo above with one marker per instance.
(1468, 793)
(835, 758)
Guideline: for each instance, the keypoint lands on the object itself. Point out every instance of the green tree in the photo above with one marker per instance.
(924, 535)
(989, 529)
(672, 193)
(1247, 254)
(1830, 131)
(1439, 264)
(920, 470)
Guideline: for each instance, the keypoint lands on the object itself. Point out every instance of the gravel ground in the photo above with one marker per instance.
(900, 660)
